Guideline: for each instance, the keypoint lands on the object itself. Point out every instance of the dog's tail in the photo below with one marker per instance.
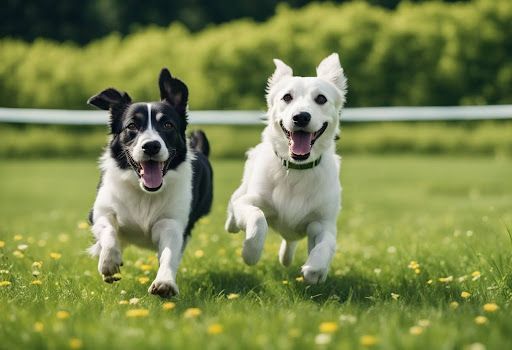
(199, 142)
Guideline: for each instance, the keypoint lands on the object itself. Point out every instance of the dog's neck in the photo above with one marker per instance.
(299, 166)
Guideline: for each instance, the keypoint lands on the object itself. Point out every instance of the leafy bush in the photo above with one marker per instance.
(492, 138)
(420, 54)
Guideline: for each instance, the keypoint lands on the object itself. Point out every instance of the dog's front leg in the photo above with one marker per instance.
(321, 247)
(110, 257)
(168, 235)
(251, 219)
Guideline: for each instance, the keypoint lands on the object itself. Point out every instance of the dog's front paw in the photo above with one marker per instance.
(165, 289)
(109, 264)
(314, 275)
(255, 239)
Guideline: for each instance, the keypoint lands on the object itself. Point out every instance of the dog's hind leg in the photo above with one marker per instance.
(110, 256)
(321, 247)
(251, 219)
(286, 252)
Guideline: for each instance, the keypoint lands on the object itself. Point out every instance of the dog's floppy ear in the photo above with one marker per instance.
(109, 98)
(282, 70)
(173, 90)
(330, 69)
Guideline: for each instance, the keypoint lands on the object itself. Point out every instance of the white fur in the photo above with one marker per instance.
(124, 213)
(149, 134)
(296, 203)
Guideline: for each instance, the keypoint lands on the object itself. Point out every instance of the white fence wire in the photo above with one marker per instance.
(242, 117)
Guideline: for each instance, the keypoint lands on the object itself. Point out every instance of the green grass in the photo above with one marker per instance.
(450, 214)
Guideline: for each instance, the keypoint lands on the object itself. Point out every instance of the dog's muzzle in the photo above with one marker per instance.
(151, 172)
(300, 142)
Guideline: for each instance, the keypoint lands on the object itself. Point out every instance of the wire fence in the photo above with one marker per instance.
(242, 117)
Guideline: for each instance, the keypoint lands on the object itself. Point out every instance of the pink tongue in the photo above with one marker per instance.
(152, 177)
(301, 142)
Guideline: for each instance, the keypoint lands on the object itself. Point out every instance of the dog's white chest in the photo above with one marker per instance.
(299, 198)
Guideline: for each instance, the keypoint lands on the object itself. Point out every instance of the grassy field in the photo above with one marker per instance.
(424, 262)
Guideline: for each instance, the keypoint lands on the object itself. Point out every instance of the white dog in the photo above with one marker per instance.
(291, 179)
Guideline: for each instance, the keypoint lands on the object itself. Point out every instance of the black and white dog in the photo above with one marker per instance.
(154, 186)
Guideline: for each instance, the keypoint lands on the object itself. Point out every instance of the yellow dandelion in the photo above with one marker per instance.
(36, 282)
(134, 301)
(146, 267)
(328, 327)
(168, 305)
(368, 340)
(475, 275)
(454, 305)
(62, 314)
(413, 265)
(192, 312)
(215, 329)
(18, 254)
(416, 330)
(143, 280)
(55, 256)
(446, 279)
(481, 320)
(199, 253)
(38, 327)
(75, 343)
(36, 273)
(285, 282)
(18, 237)
(465, 295)
(124, 302)
(299, 279)
(83, 225)
(417, 271)
(137, 313)
(491, 307)
(395, 296)
(37, 264)
(232, 296)
(429, 282)
(5, 283)
(2, 244)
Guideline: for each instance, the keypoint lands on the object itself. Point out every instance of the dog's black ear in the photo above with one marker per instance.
(109, 98)
(173, 90)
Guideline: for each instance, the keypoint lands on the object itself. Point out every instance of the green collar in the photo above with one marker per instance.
(302, 166)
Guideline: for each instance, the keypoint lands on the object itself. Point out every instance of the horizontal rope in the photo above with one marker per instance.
(242, 117)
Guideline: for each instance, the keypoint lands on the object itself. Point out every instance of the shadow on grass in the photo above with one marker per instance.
(216, 283)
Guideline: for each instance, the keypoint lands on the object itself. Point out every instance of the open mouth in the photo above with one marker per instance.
(300, 142)
(151, 172)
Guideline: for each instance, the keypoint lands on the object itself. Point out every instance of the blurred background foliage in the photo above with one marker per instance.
(394, 53)
(63, 20)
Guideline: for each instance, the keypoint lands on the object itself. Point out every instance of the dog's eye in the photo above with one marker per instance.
(287, 98)
(321, 99)
(132, 126)
(168, 126)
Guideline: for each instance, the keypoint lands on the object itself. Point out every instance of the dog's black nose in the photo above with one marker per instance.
(151, 147)
(302, 119)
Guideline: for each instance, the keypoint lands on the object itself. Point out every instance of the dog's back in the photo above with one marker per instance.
(202, 182)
